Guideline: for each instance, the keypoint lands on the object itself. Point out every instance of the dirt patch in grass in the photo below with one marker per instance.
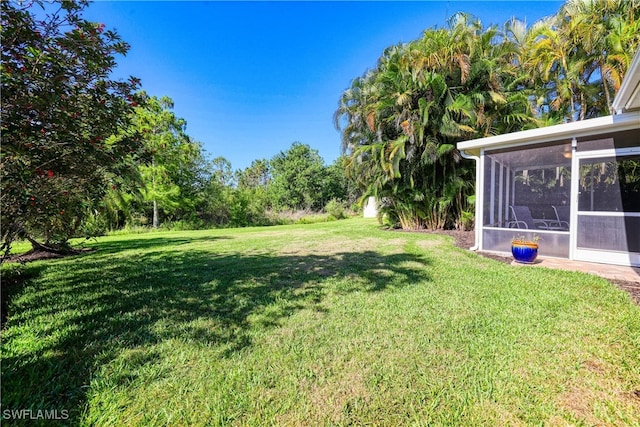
(633, 288)
(338, 400)
(302, 247)
(39, 254)
(579, 402)
(586, 402)
(35, 255)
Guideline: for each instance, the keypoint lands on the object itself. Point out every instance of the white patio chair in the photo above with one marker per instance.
(562, 217)
(522, 219)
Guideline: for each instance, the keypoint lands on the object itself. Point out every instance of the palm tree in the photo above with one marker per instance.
(557, 74)
(608, 32)
(580, 55)
(400, 122)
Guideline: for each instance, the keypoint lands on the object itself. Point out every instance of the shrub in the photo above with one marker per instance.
(467, 221)
(335, 209)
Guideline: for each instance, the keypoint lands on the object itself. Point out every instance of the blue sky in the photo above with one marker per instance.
(250, 78)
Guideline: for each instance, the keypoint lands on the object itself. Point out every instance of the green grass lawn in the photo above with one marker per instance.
(326, 324)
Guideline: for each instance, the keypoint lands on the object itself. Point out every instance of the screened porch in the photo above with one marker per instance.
(527, 191)
(575, 185)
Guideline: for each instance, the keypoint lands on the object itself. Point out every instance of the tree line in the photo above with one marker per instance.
(182, 186)
(400, 121)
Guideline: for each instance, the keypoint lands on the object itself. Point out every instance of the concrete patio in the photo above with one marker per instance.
(608, 271)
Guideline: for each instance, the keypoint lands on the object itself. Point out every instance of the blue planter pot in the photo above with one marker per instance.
(525, 252)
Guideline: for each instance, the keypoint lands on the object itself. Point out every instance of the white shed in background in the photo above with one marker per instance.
(371, 208)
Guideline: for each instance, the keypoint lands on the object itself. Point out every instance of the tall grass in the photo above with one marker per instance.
(325, 324)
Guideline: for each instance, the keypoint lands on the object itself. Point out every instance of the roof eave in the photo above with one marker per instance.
(597, 126)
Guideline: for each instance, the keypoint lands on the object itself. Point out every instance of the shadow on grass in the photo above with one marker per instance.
(103, 305)
(150, 241)
(12, 283)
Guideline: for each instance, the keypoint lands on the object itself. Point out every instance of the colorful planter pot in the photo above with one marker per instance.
(524, 251)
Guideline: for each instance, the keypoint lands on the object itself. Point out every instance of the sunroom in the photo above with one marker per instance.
(575, 186)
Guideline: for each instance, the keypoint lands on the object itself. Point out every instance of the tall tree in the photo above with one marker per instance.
(257, 175)
(297, 178)
(59, 114)
(173, 156)
(336, 185)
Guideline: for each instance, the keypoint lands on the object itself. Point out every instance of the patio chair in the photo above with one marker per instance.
(562, 217)
(522, 219)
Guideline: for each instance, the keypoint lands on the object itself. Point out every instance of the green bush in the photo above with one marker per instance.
(94, 225)
(335, 209)
(467, 220)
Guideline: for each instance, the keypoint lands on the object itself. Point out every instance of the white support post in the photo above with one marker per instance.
(507, 194)
(479, 199)
(500, 193)
(573, 200)
(492, 195)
